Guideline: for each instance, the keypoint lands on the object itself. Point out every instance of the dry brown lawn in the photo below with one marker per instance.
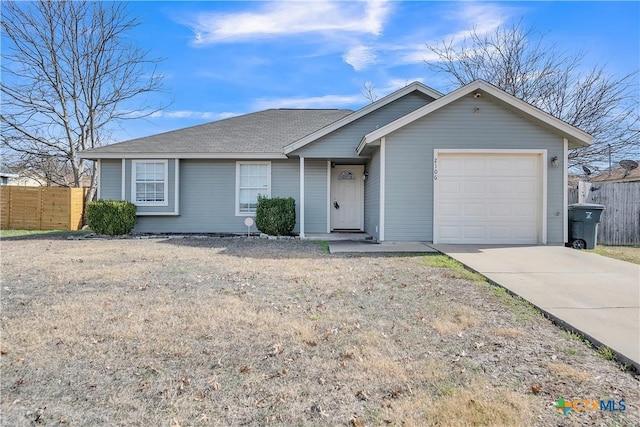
(624, 253)
(230, 331)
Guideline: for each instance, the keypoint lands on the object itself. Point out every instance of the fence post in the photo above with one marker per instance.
(584, 189)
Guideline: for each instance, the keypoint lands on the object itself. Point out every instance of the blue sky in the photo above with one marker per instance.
(229, 58)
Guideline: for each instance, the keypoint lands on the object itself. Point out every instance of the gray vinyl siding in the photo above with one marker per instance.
(315, 196)
(409, 162)
(372, 196)
(285, 182)
(110, 179)
(208, 192)
(207, 201)
(342, 143)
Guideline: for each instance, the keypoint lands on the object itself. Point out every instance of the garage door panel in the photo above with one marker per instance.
(473, 232)
(525, 211)
(450, 187)
(525, 166)
(449, 210)
(450, 232)
(474, 210)
(499, 232)
(499, 187)
(474, 165)
(500, 210)
(498, 166)
(524, 234)
(524, 187)
(474, 188)
(487, 198)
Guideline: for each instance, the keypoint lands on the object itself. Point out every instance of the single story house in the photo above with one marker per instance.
(474, 166)
(619, 175)
(6, 174)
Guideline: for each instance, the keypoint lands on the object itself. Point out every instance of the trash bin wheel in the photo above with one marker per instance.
(578, 244)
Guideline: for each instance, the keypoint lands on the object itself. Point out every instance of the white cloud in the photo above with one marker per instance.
(394, 84)
(417, 54)
(291, 18)
(326, 101)
(360, 57)
(468, 17)
(484, 18)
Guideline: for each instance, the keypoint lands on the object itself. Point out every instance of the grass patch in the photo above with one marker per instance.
(623, 253)
(605, 353)
(4, 234)
(479, 405)
(524, 310)
(324, 245)
(509, 332)
(460, 319)
(568, 372)
(456, 269)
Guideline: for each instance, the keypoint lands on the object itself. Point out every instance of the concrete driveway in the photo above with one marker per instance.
(593, 294)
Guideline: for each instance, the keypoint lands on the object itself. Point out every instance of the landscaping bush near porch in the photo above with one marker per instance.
(276, 215)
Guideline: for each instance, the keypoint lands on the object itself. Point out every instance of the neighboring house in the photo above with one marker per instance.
(474, 166)
(19, 177)
(573, 180)
(618, 175)
(6, 174)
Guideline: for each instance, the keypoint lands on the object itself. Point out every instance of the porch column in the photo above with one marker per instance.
(328, 196)
(302, 197)
(565, 185)
(98, 178)
(383, 177)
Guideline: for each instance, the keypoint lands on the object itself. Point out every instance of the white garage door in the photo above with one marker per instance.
(487, 198)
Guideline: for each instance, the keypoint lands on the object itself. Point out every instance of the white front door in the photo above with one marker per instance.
(347, 198)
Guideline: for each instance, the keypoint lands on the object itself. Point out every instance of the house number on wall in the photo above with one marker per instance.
(435, 168)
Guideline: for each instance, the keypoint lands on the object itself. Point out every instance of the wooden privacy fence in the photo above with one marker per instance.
(620, 221)
(41, 208)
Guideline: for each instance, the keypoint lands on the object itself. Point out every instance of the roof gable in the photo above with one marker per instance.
(577, 137)
(415, 86)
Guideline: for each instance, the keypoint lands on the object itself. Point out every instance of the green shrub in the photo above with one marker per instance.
(112, 217)
(276, 216)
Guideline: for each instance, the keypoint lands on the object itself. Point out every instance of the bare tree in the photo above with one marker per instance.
(369, 91)
(68, 73)
(521, 62)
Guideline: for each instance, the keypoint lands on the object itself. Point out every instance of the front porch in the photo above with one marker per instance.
(338, 236)
(371, 247)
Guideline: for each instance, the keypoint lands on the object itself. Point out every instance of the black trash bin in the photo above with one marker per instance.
(583, 225)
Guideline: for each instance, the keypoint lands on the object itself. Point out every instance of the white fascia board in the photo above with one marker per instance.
(581, 137)
(233, 156)
(363, 112)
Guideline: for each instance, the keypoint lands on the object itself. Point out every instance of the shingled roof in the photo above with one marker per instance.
(618, 175)
(264, 132)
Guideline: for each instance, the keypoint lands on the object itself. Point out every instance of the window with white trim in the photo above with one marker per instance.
(252, 179)
(149, 182)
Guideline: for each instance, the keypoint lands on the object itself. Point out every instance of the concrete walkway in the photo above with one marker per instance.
(368, 246)
(593, 294)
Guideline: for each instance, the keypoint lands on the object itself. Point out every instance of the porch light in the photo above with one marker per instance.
(365, 175)
(555, 162)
